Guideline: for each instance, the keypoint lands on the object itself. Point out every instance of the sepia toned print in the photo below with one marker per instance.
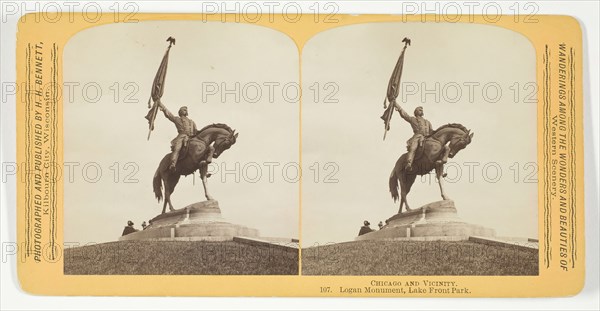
(371, 155)
(188, 185)
(471, 143)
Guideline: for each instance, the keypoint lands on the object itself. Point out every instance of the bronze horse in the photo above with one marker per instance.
(433, 155)
(198, 154)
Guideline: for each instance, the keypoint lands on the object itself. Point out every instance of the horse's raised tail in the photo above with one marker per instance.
(394, 185)
(157, 185)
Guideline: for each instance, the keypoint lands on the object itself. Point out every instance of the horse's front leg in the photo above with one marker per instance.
(203, 172)
(439, 172)
(210, 152)
(445, 154)
(209, 158)
(209, 155)
(444, 159)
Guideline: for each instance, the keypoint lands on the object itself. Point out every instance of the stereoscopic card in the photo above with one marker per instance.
(369, 155)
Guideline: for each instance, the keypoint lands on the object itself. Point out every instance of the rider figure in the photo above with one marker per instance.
(186, 128)
(421, 129)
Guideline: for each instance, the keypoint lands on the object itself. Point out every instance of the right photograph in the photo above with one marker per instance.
(419, 153)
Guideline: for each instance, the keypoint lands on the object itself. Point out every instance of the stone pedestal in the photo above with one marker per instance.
(200, 221)
(434, 221)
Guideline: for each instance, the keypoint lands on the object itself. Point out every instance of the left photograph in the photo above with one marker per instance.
(181, 145)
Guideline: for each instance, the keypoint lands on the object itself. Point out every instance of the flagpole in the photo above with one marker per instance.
(390, 107)
(154, 111)
(389, 118)
(171, 41)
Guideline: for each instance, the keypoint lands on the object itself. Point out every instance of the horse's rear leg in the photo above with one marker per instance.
(403, 202)
(164, 205)
(406, 182)
(168, 190)
(166, 193)
(168, 200)
(403, 193)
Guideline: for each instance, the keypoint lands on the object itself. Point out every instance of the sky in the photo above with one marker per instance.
(101, 129)
(348, 134)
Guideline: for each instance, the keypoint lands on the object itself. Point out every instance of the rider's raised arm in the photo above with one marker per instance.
(167, 113)
(403, 113)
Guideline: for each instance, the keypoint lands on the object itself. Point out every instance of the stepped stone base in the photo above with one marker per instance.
(200, 221)
(434, 221)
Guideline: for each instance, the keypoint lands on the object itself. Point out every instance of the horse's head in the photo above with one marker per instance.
(224, 142)
(458, 143)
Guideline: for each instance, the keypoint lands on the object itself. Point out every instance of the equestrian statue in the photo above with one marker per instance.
(426, 149)
(191, 150)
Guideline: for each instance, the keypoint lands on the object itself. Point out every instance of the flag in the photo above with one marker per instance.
(393, 89)
(158, 88)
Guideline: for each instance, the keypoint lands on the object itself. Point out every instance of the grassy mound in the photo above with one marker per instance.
(176, 257)
(417, 258)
